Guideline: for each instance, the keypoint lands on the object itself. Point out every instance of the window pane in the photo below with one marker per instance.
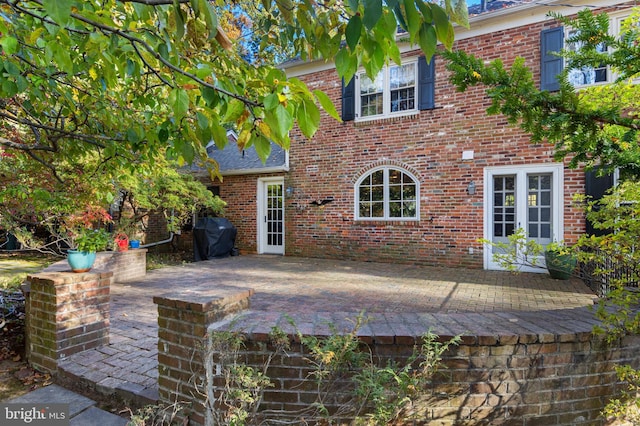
(545, 214)
(409, 192)
(377, 210)
(365, 209)
(371, 99)
(395, 209)
(377, 193)
(409, 209)
(395, 192)
(533, 231)
(395, 176)
(545, 230)
(377, 177)
(365, 193)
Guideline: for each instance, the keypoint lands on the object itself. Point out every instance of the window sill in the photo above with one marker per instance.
(387, 223)
(362, 122)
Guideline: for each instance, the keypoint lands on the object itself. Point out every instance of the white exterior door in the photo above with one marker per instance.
(271, 216)
(527, 197)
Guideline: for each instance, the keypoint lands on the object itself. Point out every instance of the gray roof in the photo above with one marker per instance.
(232, 159)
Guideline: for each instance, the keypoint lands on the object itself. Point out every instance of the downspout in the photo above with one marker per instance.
(157, 243)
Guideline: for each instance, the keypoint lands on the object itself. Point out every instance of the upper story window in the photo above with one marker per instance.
(387, 193)
(396, 90)
(551, 64)
(586, 76)
(393, 91)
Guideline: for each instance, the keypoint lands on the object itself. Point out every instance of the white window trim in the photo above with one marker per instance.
(386, 95)
(386, 218)
(557, 230)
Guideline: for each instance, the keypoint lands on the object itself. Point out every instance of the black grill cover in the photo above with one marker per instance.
(213, 237)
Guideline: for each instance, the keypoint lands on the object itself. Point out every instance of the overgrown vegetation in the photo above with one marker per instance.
(350, 382)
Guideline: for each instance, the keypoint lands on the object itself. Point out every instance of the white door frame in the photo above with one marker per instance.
(263, 244)
(521, 171)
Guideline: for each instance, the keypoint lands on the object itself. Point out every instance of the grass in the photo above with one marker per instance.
(14, 267)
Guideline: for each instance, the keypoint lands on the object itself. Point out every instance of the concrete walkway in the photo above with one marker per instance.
(301, 287)
(82, 410)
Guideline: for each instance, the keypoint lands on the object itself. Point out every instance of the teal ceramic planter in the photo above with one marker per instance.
(80, 261)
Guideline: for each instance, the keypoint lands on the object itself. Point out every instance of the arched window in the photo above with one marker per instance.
(387, 193)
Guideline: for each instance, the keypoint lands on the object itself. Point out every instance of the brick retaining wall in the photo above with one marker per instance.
(541, 368)
(65, 314)
(68, 312)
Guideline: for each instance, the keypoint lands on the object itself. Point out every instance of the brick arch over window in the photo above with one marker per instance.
(387, 192)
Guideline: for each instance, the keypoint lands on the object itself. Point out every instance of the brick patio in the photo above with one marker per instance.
(403, 297)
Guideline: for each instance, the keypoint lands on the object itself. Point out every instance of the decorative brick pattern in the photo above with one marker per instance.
(66, 313)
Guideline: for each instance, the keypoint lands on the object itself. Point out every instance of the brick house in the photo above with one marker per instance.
(417, 172)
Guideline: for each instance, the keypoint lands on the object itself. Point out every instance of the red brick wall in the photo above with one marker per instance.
(430, 144)
(66, 313)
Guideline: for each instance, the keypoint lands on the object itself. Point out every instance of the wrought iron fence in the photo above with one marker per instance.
(607, 271)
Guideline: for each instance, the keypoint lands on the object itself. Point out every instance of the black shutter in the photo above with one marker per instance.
(349, 100)
(595, 187)
(426, 83)
(551, 64)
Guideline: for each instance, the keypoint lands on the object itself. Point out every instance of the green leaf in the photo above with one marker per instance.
(163, 135)
(413, 18)
(62, 57)
(271, 101)
(280, 122)
(219, 134)
(353, 5)
(132, 135)
(372, 13)
(327, 104)
(9, 88)
(353, 30)
(179, 101)
(177, 14)
(58, 10)
(444, 29)
(346, 63)
(202, 120)
(210, 96)
(209, 17)
(425, 9)
(234, 109)
(308, 118)
(262, 146)
(427, 40)
(9, 45)
(459, 12)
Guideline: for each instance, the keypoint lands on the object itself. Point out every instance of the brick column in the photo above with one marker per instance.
(66, 313)
(182, 326)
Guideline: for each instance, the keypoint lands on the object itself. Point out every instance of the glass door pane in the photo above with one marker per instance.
(539, 207)
(503, 208)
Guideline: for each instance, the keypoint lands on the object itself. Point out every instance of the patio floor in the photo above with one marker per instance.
(302, 287)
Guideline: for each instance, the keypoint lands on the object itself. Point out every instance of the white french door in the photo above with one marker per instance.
(271, 216)
(527, 197)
